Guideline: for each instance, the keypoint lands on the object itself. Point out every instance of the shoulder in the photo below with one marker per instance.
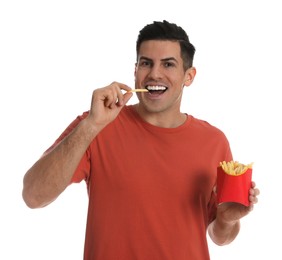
(204, 127)
(196, 122)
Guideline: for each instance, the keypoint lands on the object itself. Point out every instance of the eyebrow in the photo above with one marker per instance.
(164, 59)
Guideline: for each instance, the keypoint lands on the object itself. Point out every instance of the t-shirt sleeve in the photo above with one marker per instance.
(83, 169)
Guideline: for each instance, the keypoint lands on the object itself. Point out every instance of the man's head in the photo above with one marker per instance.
(171, 32)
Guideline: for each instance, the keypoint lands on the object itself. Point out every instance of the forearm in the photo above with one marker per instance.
(52, 173)
(222, 233)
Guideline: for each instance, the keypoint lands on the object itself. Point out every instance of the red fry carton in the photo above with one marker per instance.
(233, 188)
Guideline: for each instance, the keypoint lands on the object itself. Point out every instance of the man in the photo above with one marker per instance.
(150, 169)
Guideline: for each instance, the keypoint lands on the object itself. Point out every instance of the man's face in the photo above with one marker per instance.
(159, 69)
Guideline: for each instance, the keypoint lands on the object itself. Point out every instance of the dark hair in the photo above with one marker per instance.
(171, 32)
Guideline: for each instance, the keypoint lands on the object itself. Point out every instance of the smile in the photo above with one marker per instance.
(156, 89)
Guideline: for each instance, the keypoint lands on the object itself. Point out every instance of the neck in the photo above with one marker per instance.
(162, 119)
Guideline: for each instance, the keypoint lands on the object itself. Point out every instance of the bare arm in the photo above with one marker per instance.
(225, 228)
(223, 232)
(52, 173)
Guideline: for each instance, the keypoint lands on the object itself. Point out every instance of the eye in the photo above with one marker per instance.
(145, 64)
(169, 64)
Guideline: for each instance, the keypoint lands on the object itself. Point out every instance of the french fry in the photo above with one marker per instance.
(138, 90)
(234, 167)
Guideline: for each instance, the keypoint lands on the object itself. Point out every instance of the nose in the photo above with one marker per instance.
(155, 72)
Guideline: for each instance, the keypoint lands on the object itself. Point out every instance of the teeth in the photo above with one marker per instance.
(156, 88)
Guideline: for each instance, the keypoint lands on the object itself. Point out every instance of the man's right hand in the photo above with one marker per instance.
(106, 104)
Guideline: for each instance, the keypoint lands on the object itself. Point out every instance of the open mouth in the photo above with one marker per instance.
(157, 90)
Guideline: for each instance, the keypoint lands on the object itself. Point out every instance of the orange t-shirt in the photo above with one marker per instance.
(150, 188)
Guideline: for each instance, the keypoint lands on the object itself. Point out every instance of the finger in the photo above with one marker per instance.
(253, 199)
(251, 206)
(118, 96)
(112, 95)
(126, 97)
(254, 192)
(110, 98)
(121, 86)
(121, 98)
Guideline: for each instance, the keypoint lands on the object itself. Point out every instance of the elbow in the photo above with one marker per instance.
(34, 200)
(221, 242)
(35, 194)
(28, 195)
(223, 236)
(30, 200)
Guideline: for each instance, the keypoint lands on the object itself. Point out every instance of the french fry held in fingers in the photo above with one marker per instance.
(234, 182)
(138, 90)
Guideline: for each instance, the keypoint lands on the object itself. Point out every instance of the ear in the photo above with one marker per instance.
(135, 68)
(189, 76)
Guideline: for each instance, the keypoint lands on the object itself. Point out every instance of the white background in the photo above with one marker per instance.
(54, 53)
